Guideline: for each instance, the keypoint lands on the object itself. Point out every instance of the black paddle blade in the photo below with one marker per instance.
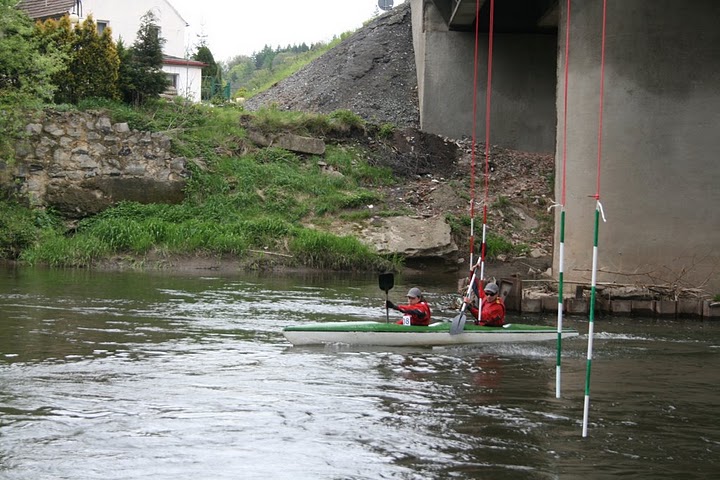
(458, 324)
(386, 281)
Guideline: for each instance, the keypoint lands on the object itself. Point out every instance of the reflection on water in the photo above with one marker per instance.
(130, 375)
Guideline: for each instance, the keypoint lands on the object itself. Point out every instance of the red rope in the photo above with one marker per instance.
(488, 93)
(602, 96)
(474, 137)
(565, 104)
(487, 128)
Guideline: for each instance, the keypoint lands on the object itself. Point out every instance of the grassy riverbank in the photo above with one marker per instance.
(240, 200)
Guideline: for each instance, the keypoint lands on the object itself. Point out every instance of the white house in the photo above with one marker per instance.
(123, 18)
(185, 76)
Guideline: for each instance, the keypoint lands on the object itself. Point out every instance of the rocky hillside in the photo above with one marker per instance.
(372, 73)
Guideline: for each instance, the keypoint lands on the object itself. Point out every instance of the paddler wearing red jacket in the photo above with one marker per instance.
(417, 310)
(493, 307)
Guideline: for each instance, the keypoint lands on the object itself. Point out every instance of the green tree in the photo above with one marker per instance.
(58, 35)
(141, 75)
(240, 70)
(24, 69)
(211, 72)
(264, 58)
(94, 64)
(126, 82)
(25, 73)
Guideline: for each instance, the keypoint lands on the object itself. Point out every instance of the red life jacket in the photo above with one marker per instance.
(419, 313)
(493, 313)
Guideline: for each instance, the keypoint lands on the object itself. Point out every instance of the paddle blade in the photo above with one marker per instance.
(386, 281)
(458, 324)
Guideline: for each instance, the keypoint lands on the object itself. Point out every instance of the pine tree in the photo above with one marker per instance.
(126, 83)
(110, 68)
(94, 63)
(91, 62)
(211, 72)
(264, 58)
(142, 77)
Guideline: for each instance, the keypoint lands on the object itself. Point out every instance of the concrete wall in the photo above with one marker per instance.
(523, 84)
(660, 164)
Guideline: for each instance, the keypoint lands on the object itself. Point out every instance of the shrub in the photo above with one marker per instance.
(345, 120)
(17, 230)
(386, 130)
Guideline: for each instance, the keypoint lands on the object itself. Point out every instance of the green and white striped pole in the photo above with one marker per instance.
(593, 289)
(598, 212)
(561, 251)
(560, 303)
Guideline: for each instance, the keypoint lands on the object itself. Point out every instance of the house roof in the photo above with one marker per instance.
(41, 9)
(170, 60)
(177, 13)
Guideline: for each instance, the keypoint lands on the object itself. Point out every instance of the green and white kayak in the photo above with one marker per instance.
(394, 335)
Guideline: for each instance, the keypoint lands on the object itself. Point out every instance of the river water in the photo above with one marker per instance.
(148, 375)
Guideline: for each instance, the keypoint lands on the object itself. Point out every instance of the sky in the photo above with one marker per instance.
(241, 27)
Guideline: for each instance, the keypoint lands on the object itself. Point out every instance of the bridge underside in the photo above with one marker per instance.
(660, 163)
(524, 69)
(510, 16)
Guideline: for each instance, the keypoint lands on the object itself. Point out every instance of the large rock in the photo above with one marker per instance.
(289, 141)
(409, 237)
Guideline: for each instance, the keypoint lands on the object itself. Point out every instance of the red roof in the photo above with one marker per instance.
(170, 60)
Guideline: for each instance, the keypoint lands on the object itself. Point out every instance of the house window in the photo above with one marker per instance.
(172, 79)
(101, 26)
(172, 84)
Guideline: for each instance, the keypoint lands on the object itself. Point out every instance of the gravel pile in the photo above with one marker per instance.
(372, 73)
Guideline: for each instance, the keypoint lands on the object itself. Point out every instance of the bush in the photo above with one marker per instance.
(345, 120)
(386, 130)
(21, 228)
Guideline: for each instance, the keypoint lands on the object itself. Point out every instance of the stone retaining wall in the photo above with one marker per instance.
(644, 308)
(79, 163)
(686, 307)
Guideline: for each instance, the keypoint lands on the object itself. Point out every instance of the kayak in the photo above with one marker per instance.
(437, 334)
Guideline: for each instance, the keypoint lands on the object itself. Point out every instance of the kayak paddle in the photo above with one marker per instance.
(458, 323)
(386, 281)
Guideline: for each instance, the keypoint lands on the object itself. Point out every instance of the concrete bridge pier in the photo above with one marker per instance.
(523, 88)
(660, 163)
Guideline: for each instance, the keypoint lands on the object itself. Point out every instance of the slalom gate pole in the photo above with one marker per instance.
(561, 251)
(561, 261)
(483, 247)
(591, 323)
(598, 212)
